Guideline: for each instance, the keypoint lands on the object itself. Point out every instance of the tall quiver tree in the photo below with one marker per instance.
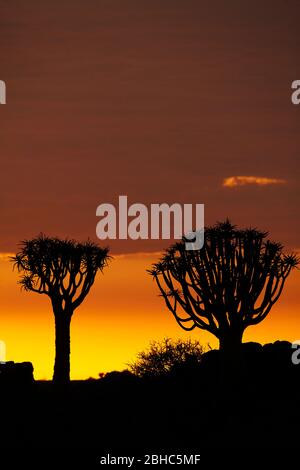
(228, 285)
(65, 271)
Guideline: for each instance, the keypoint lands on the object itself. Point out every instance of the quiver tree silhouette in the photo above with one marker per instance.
(65, 271)
(228, 285)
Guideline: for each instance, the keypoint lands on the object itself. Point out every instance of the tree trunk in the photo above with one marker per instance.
(61, 373)
(231, 362)
(230, 341)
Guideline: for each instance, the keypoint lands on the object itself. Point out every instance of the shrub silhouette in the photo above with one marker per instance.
(64, 270)
(228, 285)
(164, 356)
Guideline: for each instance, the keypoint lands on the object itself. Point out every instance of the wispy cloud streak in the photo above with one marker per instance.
(234, 181)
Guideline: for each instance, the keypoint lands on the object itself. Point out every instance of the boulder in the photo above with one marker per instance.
(19, 374)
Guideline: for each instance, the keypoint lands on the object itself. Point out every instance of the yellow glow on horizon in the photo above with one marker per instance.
(121, 315)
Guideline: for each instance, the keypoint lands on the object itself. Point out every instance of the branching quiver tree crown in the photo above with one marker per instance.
(228, 285)
(65, 271)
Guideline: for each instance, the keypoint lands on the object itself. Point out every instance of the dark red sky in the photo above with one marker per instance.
(159, 100)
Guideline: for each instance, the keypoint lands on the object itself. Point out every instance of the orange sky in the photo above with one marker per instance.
(120, 317)
(163, 101)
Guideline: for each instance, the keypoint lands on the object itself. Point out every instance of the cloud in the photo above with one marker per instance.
(234, 181)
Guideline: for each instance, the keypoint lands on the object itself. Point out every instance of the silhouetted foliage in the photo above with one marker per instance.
(65, 271)
(228, 285)
(116, 377)
(164, 356)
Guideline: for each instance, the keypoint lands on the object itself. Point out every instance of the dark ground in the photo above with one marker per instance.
(192, 409)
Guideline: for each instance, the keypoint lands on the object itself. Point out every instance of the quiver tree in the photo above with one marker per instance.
(228, 285)
(65, 270)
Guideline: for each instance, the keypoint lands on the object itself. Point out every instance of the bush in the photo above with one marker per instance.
(162, 357)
